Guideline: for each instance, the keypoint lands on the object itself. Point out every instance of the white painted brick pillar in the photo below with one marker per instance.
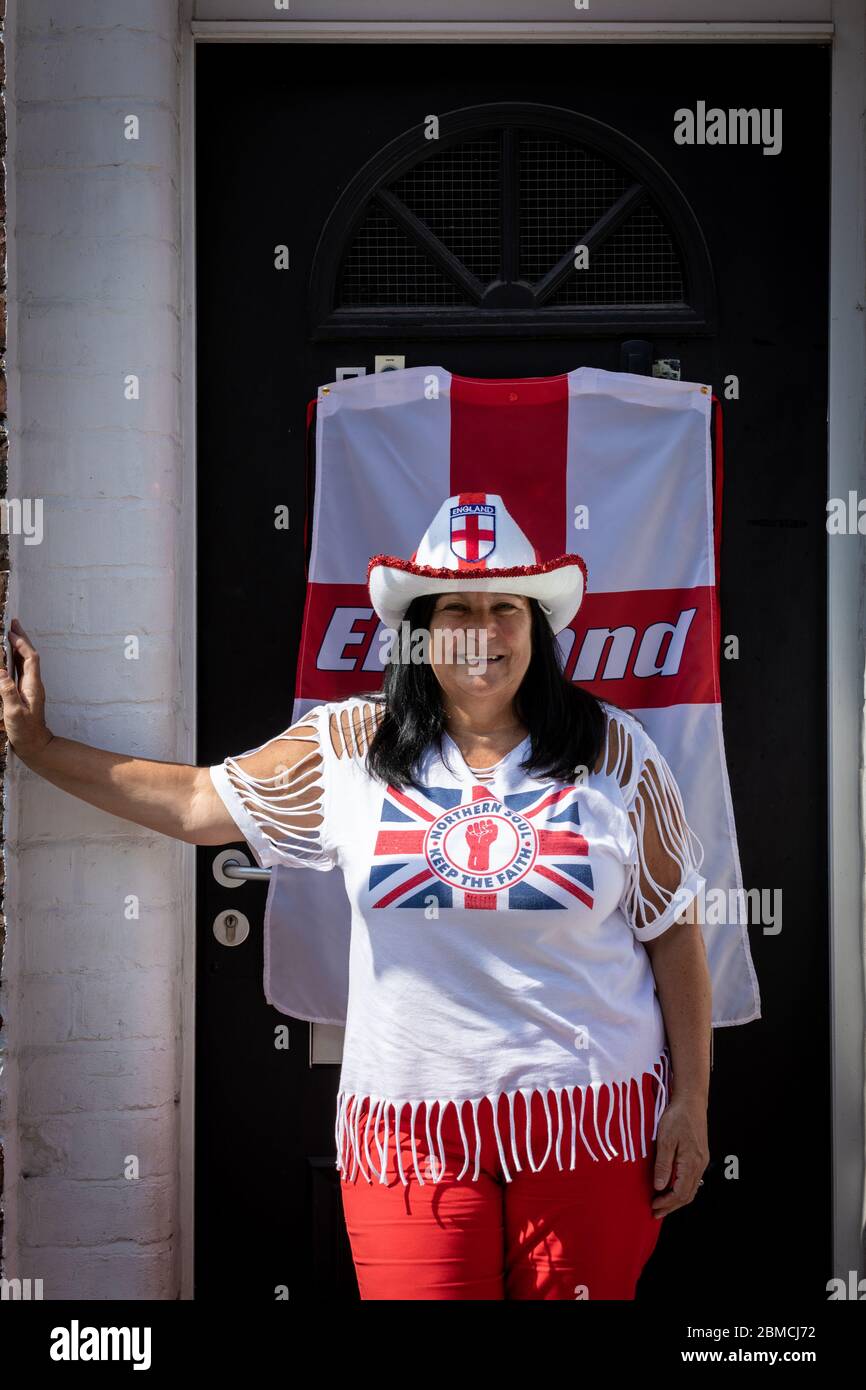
(92, 995)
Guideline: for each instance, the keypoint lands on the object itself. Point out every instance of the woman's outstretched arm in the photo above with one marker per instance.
(176, 799)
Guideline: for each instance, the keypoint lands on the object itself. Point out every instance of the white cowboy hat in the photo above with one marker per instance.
(455, 552)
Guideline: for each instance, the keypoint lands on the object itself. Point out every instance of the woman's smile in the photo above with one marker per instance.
(477, 660)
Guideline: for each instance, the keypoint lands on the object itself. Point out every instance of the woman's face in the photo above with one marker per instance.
(505, 619)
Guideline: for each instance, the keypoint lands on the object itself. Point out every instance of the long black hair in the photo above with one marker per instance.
(566, 724)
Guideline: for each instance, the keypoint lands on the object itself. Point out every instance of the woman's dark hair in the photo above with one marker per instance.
(566, 724)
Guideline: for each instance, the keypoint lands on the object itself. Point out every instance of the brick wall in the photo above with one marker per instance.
(4, 546)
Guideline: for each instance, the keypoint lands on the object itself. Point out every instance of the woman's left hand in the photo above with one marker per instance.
(682, 1154)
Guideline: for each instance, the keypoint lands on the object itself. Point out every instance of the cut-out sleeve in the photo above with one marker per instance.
(276, 794)
(282, 794)
(664, 877)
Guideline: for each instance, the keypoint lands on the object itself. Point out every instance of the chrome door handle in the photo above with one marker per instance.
(231, 867)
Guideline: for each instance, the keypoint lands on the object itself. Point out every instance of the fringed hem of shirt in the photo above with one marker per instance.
(353, 1127)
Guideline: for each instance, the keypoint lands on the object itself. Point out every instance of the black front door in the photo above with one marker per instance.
(454, 251)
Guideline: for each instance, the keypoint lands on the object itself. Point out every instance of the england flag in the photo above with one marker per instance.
(614, 466)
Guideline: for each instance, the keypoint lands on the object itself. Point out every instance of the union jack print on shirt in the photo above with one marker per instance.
(520, 851)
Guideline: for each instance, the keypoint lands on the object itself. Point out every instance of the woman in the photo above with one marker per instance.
(525, 1071)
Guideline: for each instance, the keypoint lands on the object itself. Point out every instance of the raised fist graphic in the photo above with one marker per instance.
(479, 837)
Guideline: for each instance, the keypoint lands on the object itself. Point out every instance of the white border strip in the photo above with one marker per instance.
(443, 31)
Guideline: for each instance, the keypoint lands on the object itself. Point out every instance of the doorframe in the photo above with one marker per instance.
(846, 35)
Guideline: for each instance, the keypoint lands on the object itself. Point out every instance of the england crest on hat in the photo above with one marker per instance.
(473, 530)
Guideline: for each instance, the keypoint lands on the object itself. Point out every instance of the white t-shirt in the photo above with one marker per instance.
(497, 927)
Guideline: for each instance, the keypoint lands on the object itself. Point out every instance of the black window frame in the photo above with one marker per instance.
(647, 180)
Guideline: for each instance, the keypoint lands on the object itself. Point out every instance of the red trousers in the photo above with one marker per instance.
(578, 1233)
